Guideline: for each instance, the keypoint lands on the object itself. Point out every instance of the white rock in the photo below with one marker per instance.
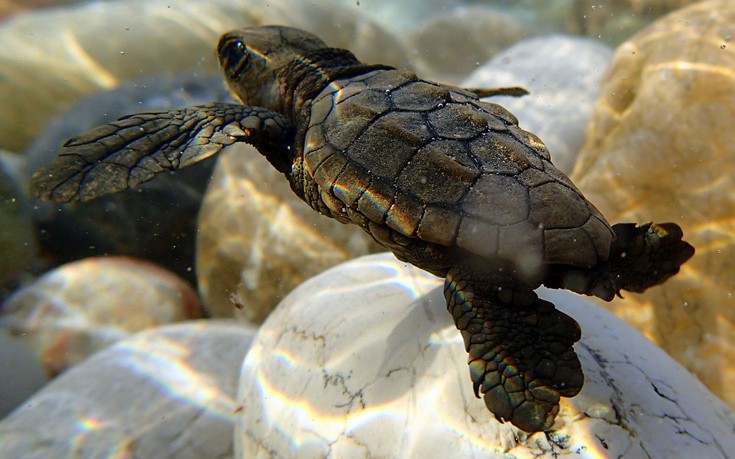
(364, 361)
(563, 74)
(164, 393)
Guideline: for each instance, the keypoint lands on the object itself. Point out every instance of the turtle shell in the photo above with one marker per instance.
(435, 163)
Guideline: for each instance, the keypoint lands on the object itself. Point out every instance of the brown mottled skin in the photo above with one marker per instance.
(446, 181)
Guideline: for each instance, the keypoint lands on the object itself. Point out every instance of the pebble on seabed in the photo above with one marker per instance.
(257, 240)
(660, 148)
(168, 392)
(364, 361)
(42, 74)
(22, 374)
(563, 74)
(84, 306)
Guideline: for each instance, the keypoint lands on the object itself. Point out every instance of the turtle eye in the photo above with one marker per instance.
(233, 55)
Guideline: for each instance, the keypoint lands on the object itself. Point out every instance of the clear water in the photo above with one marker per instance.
(646, 138)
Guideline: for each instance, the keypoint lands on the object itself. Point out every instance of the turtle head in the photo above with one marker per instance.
(255, 59)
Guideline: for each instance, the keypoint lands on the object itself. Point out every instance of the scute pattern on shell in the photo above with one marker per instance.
(440, 165)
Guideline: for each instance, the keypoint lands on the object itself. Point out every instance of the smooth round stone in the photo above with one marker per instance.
(163, 393)
(450, 45)
(18, 238)
(51, 58)
(400, 16)
(23, 374)
(8, 7)
(156, 221)
(82, 307)
(563, 74)
(612, 21)
(364, 361)
(257, 240)
(660, 149)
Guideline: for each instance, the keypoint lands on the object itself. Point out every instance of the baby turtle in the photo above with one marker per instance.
(445, 181)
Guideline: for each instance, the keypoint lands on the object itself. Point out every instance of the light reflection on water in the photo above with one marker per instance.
(154, 392)
(167, 366)
(366, 352)
(401, 346)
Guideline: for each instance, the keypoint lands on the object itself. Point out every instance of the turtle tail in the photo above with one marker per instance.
(646, 255)
(520, 348)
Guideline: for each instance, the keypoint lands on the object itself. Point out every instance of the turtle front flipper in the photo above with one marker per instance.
(136, 148)
(520, 349)
(512, 91)
(646, 255)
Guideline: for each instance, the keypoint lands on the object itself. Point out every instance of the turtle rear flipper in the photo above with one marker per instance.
(520, 349)
(646, 255)
(136, 148)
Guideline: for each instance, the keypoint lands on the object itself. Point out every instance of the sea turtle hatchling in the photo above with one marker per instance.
(445, 181)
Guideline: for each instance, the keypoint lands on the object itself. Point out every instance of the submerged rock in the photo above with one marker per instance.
(51, 58)
(364, 361)
(82, 307)
(400, 16)
(257, 240)
(660, 148)
(18, 238)
(563, 75)
(450, 45)
(156, 221)
(23, 374)
(163, 393)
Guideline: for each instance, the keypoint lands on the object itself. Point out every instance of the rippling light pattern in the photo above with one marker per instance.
(166, 366)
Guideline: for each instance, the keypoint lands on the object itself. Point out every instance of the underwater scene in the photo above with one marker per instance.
(367, 228)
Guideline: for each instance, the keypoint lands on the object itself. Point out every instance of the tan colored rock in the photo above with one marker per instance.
(84, 306)
(660, 148)
(51, 58)
(450, 46)
(8, 7)
(257, 240)
(655, 6)
(614, 21)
